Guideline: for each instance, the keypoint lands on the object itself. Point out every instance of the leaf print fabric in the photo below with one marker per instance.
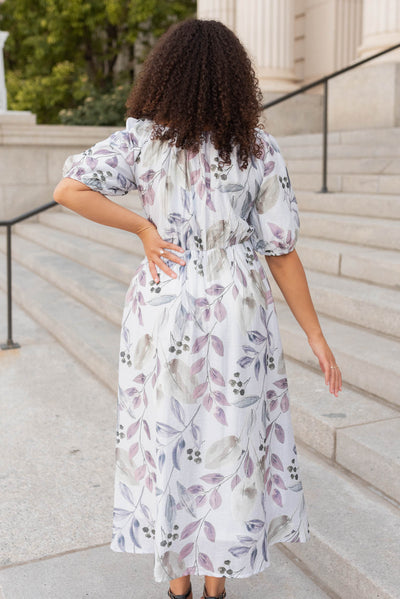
(207, 476)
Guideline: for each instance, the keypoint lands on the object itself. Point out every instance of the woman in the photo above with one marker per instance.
(206, 464)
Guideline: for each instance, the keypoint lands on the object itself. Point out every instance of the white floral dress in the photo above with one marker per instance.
(207, 475)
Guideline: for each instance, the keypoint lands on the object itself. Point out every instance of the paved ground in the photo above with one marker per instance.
(56, 473)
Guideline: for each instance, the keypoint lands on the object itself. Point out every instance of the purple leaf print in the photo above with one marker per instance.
(139, 472)
(269, 486)
(121, 542)
(220, 415)
(199, 344)
(207, 314)
(206, 164)
(133, 450)
(197, 366)
(269, 167)
(125, 492)
(149, 458)
(201, 301)
(253, 525)
(241, 276)
(257, 366)
(246, 401)
(245, 361)
(147, 176)
(208, 402)
(205, 561)
(210, 204)
(253, 556)
(199, 390)
(217, 377)
(248, 466)
(149, 483)
(278, 481)
(140, 378)
(276, 462)
(271, 393)
(215, 499)
(281, 384)
(148, 196)
(170, 508)
(215, 289)
(209, 531)
(220, 311)
(276, 231)
(113, 161)
(265, 547)
(165, 429)
(235, 291)
(195, 431)
(256, 337)
(176, 454)
(212, 479)
(194, 176)
(189, 529)
(279, 433)
(221, 399)
(177, 410)
(195, 489)
(146, 429)
(273, 404)
(239, 550)
(132, 429)
(285, 402)
(186, 550)
(248, 349)
(277, 497)
(201, 500)
(92, 163)
(235, 481)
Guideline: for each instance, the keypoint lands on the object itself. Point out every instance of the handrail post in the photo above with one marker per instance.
(324, 188)
(10, 343)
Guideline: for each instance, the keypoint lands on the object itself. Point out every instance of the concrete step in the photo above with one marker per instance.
(368, 361)
(348, 183)
(363, 304)
(73, 223)
(342, 550)
(339, 150)
(377, 206)
(357, 230)
(345, 165)
(98, 292)
(110, 261)
(383, 136)
(347, 429)
(85, 334)
(381, 267)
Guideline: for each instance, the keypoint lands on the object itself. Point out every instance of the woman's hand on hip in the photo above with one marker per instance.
(327, 362)
(155, 249)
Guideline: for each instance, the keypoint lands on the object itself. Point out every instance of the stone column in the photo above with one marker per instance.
(266, 28)
(381, 28)
(220, 10)
(3, 90)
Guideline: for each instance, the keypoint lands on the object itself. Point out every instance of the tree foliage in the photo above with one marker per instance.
(59, 53)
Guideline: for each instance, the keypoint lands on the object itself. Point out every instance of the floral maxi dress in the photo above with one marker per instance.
(207, 475)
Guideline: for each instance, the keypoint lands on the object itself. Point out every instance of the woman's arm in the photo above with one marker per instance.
(95, 206)
(289, 274)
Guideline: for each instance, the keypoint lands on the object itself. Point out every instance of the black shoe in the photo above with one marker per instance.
(186, 596)
(221, 596)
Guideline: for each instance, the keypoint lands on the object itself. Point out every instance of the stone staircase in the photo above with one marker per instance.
(71, 275)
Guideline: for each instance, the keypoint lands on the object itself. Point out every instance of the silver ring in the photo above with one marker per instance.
(334, 366)
(162, 252)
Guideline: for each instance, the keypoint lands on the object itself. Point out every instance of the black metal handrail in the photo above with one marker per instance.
(10, 344)
(324, 81)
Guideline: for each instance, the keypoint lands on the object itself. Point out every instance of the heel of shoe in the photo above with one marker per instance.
(185, 596)
(221, 596)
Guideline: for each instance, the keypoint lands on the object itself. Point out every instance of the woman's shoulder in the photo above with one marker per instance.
(139, 130)
(267, 139)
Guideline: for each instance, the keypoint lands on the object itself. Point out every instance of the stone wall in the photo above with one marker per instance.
(31, 159)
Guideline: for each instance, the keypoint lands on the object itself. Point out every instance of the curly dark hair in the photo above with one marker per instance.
(199, 78)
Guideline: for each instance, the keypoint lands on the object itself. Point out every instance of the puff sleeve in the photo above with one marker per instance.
(108, 166)
(274, 214)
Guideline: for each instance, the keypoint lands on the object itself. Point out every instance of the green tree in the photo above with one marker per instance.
(59, 53)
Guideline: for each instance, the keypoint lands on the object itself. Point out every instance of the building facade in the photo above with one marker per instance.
(294, 42)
